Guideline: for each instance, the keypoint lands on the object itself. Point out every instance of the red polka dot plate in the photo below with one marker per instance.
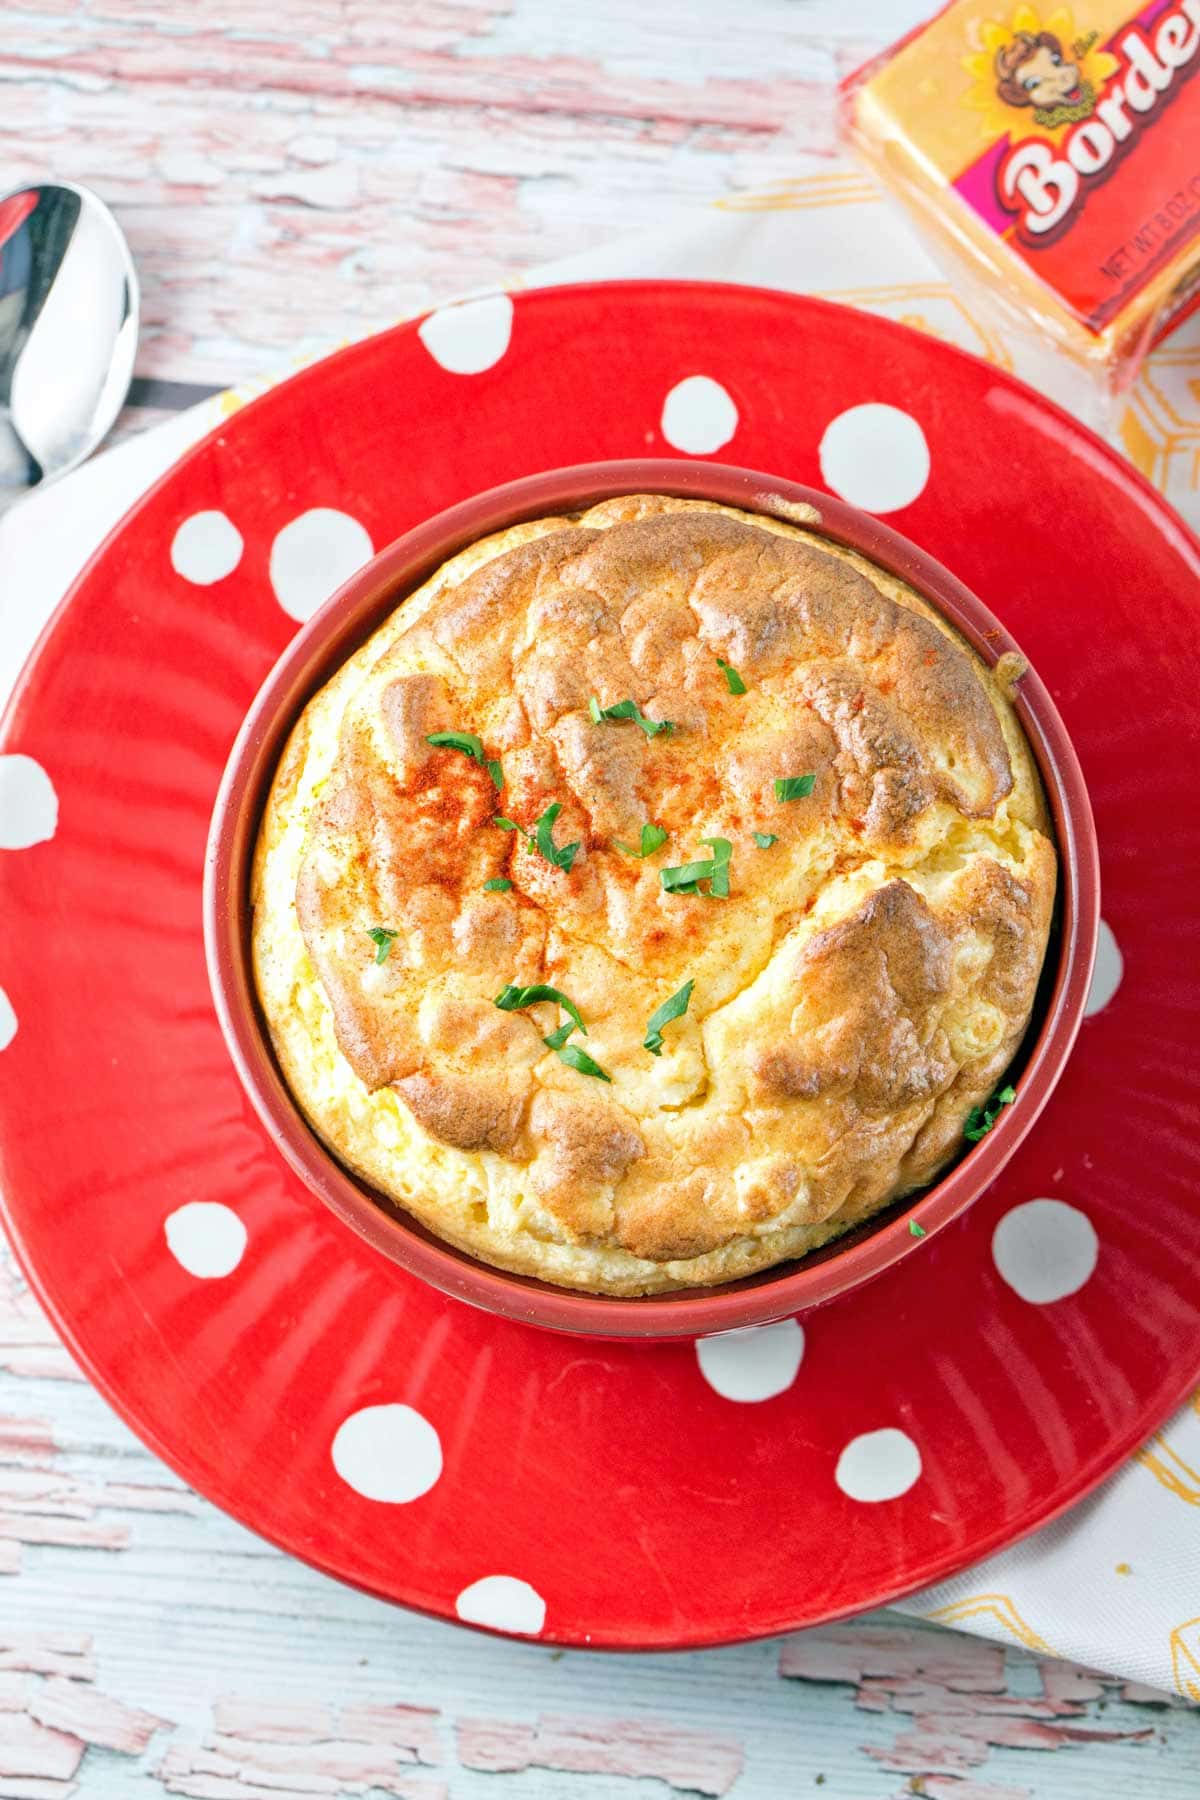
(608, 1494)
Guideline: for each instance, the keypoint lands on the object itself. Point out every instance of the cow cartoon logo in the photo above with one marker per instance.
(1035, 71)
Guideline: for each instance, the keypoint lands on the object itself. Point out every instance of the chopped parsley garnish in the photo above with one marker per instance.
(980, 1119)
(383, 940)
(674, 1008)
(471, 746)
(653, 838)
(915, 1230)
(685, 878)
(541, 838)
(575, 1058)
(733, 680)
(722, 850)
(794, 787)
(628, 709)
(515, 999)
(764, 839)
(562, 857)
(499, 884)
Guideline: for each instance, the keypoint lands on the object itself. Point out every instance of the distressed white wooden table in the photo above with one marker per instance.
(290, 173)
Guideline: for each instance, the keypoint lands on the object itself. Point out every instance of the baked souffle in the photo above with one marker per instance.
(660, 891)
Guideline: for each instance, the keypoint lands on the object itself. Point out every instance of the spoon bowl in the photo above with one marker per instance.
(68, 329)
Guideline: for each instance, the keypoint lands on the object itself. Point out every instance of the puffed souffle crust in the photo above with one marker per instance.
(849, 908)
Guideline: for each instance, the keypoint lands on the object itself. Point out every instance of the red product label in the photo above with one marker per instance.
(1096, 209)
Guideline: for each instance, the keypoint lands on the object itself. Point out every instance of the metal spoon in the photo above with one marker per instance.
(68, 329)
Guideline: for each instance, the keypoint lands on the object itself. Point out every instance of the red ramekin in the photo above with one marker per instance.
(340, 627)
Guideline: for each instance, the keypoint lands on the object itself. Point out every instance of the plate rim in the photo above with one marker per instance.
(1104, 1464)
(1155, 501)
(886, 1595)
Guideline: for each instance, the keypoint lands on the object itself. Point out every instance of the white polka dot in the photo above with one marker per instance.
(388, 1453)
(755, 1364)
(469, 336)
(206, 1239)
(8, 1021)
(312, 556)
(504, 1603)
(206, 548)
(880, 1465)
(1106, 976)
(698, 416)
(28, 803)
(1045, 1250)
(875, 456)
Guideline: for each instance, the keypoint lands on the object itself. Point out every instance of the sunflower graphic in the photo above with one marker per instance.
(1031, 68)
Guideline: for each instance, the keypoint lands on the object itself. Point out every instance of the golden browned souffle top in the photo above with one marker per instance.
(860, 986)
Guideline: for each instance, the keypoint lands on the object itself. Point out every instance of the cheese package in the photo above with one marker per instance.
(1058, 151)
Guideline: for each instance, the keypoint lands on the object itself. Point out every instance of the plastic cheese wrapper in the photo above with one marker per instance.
(1057, 152)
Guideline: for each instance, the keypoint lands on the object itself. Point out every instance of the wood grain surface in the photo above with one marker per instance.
(291, 173)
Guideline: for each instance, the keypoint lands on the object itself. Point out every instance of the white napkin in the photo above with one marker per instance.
(1109, 1585)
